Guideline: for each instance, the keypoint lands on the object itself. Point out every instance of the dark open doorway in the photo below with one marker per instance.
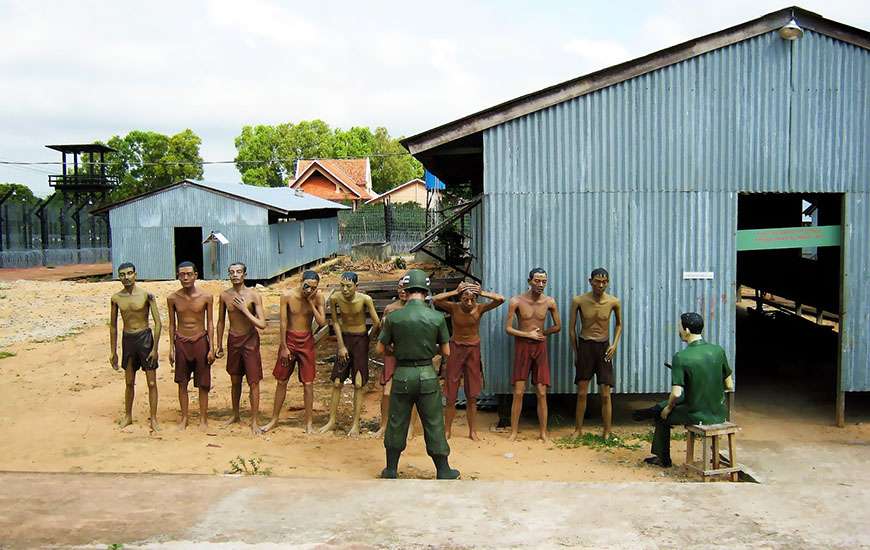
(188, 246)
(789, 277)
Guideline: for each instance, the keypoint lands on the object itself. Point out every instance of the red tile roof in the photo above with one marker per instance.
(355, 174)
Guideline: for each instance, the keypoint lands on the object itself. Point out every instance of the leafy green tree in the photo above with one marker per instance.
(267, 155)
(149, 160)
(23, 194)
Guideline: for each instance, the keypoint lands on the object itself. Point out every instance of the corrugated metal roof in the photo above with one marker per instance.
(280, 199)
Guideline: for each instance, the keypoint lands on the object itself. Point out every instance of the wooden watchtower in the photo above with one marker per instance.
(83, 182)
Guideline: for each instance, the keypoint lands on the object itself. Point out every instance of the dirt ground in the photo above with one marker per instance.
(62, 404)
(57, 273)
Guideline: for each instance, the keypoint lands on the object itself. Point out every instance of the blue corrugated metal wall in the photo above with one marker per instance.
(855, 337)
(320, 240)
(143, 232)
(642, 178)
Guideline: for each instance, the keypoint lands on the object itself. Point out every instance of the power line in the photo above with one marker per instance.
(84, 163)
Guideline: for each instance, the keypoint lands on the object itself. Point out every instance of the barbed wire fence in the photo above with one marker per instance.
(21, 239)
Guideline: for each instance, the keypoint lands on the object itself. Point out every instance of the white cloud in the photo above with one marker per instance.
(597, 54)
(90, 69)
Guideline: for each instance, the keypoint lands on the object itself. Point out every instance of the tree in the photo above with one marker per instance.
(23, 194)
(392, 165)
(146, 161)
(267, 155)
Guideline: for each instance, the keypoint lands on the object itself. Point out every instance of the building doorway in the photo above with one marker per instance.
(188, 247)
(789, 279)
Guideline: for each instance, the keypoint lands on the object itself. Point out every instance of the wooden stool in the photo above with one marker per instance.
(711, 467)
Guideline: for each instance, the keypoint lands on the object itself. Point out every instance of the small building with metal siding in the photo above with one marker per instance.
(638, 168)
(271, 230)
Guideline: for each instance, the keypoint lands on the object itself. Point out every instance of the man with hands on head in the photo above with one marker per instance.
(464, 360)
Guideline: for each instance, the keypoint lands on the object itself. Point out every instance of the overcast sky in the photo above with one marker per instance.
(80, 71)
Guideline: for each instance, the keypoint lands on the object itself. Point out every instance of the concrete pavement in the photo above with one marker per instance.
(179, 511)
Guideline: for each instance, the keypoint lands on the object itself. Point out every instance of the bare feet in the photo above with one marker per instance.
(577, 432)
(182, 424)
(380, 433)
(544, 437)
(606, 435)
(255, 430)
(155, 427)
(309, 428)
(474, 437)
(328, 428)
(231, 421)
(203, 426)
(354, 431)
(269, 426)
(126, 422)
(513, 436)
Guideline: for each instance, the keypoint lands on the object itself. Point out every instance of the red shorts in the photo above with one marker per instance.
(300, 345)
(389, 368)
(191, 358)
(530, 357)
(243, 356)
(463, 362)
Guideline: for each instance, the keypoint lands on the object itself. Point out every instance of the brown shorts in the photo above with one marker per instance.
(463, 362)
(135, 349)
(590, 360)
(530, 357)
(191, 358)
(300, 347)
(389, 368)
(358, 359)
(243, 356)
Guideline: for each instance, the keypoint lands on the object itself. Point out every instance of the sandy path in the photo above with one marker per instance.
(62, 403)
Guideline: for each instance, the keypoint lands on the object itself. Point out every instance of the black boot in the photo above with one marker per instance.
(392, 469)
(443, 469)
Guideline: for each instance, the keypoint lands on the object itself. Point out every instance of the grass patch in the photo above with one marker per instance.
(5, 354)
(595, 441)
(249, 467)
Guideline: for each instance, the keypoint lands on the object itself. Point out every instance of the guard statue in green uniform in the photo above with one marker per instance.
(700, 376)
(417, 334)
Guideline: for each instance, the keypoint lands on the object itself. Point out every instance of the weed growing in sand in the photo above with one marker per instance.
(115, 546)
(595, 441)
(5, 354)
(249, 467)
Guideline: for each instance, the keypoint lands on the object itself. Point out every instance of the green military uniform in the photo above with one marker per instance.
(415, 332)
(701, 369)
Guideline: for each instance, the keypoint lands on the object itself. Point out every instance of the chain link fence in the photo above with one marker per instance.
(403, 225)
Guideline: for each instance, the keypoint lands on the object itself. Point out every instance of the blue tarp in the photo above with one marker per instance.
(432, 181)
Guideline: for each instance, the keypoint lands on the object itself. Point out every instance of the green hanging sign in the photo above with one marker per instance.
(788, 237)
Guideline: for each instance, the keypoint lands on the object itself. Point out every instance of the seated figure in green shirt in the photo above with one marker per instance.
(700, 376)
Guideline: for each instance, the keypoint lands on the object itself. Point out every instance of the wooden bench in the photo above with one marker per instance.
(711, 465)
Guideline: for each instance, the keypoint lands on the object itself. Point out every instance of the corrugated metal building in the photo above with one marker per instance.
(271, 230)
(639, 168)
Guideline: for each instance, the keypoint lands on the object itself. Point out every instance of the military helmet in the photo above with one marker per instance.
(416, 279)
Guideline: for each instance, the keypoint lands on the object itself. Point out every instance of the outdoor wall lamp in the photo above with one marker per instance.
(791, 31)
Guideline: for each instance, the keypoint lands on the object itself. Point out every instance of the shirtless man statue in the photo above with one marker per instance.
(299, 306)
(464, 359)
(191, 331)
(348, 311)
(244, 307)
(138, 344)
(593, 352)
(390, 363)
(530, 354)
